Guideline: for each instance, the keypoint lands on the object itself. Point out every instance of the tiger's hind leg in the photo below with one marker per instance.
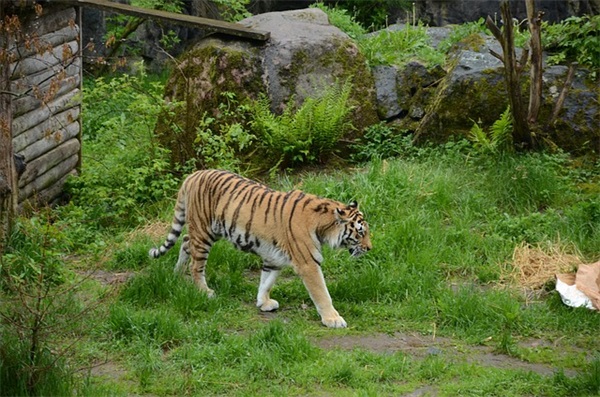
(184, 255)
(199, 249)
(268, 276)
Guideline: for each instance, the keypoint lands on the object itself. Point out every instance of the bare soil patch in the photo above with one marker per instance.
(108, 278)
(420, 347)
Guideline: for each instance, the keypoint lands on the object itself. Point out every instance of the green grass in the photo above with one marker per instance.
(444, 226)
(445, 222)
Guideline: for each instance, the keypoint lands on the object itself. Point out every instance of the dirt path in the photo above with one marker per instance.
(420, 347)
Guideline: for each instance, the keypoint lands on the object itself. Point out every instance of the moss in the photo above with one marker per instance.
(341, 61)
(472, 42)
(351, 64)
(453, 109)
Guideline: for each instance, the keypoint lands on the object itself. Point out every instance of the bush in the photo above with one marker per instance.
(574, 39)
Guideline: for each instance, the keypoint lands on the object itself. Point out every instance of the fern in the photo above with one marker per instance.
(501, 132)
(479, 138)
(499, 139)
(306, 135)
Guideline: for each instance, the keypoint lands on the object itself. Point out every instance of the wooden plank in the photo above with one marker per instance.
(61, 55)
(54, 88)
(48, 40)
(43, 163)
(212, 25)
(49, 178)
(45, 129)
(8, 187)
(50, 142)
(47, 195)
(28, 120)
(24, 86)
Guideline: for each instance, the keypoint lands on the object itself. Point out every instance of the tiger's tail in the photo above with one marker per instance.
(176, 227)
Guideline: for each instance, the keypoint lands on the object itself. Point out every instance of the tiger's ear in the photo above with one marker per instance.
(340, 215)
(353, 205)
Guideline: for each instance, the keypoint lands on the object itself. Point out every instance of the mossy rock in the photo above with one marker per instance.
(304, 56)
(196, 87)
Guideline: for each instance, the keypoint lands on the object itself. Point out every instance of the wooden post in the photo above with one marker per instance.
(8, 184)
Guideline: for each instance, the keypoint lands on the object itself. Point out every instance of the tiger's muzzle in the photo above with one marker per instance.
(358, 250)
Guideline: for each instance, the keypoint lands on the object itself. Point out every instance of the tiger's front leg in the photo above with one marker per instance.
(313, 280)
(267, 280)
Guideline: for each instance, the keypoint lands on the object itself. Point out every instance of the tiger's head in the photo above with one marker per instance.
(353, 229)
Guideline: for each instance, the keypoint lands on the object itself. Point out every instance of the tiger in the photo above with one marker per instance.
(283, 228)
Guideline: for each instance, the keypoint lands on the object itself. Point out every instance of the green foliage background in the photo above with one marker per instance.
(445, 222)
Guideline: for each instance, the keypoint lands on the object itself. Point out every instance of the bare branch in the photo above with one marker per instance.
(563, 94)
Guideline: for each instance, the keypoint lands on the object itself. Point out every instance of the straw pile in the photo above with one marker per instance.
(534, 267)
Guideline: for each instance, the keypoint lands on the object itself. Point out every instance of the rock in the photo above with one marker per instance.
(476, 82)
(440, 13)
(405, 90)
(304, 56)
(388, 104)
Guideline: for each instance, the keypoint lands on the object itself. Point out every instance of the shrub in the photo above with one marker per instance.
(41, 304)
(224, 141)
(574, 39)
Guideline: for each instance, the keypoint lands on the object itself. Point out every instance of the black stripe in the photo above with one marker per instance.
(252, 212)
(300, 197)
(268, 208)
(236, 213)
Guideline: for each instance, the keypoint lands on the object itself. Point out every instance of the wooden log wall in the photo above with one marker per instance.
(46, 105)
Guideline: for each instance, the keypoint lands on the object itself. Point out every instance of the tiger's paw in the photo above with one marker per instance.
(210, 293)
(268, 306)
(334, 322)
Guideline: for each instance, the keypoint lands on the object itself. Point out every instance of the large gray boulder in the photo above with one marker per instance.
(304, 56)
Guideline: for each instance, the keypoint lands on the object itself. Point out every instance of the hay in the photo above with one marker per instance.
(534, 267)
(156, 231)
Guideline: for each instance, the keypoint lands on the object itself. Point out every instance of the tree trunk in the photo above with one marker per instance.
(535, 45)
(522, 138)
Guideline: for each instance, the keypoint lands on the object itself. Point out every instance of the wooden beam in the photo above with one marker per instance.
(212, 25)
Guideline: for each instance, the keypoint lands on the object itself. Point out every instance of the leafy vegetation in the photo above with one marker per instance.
(446, 221)
(499, 138)
(397, 47)
(123, 165)
(574, 39)
(307, 135)
(342, 19)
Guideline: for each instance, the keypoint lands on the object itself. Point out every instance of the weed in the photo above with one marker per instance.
(400, 47)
